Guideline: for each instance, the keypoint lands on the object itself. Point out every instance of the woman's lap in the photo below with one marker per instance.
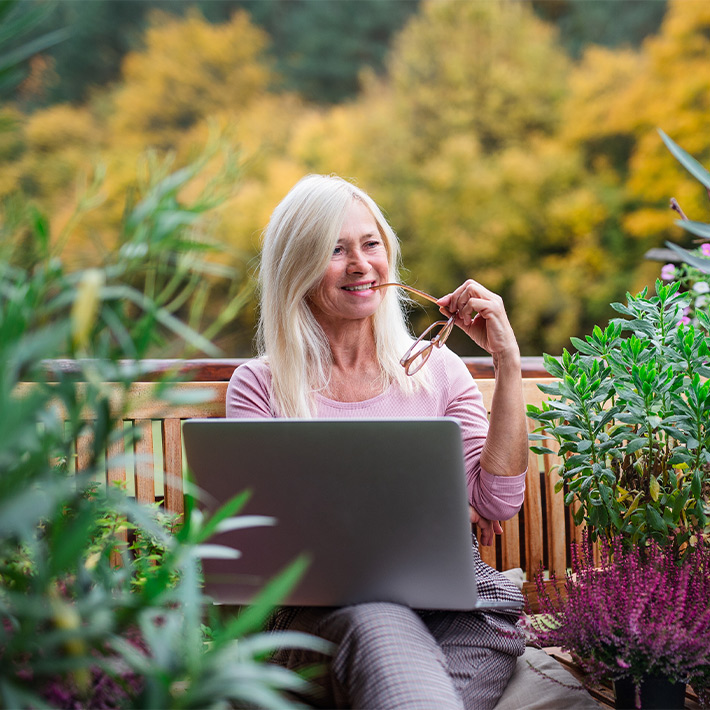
(389, 656)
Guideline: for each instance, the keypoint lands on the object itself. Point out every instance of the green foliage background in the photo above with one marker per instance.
(512, 142)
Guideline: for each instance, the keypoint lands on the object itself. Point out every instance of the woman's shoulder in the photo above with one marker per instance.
(256, 369)
(446, 362)
(249, 390)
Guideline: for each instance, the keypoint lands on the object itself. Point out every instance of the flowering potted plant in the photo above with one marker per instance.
(636, 616)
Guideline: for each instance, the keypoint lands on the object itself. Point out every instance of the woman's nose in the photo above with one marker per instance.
(357, 263)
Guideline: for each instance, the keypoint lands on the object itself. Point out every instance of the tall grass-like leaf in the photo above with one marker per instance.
(699, 229)
(699, 263)
(686, 160)
(252, 617)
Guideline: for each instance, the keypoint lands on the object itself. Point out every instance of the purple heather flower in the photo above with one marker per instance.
(705, 249)
(638, 610)
(668, 272)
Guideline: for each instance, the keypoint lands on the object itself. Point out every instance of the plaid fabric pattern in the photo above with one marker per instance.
(391, 657)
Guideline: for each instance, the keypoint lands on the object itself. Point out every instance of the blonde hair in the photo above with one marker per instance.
(297, 247)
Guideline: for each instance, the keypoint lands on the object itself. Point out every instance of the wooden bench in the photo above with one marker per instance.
(540, 535)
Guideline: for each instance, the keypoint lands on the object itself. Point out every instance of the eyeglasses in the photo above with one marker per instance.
(414, 359)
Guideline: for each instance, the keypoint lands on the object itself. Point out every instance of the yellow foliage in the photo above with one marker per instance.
(59, 127)
(598, 103)
(490, 68)
(248, 212)
(189, 69)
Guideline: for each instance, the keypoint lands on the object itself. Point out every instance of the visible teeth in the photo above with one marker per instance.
(364, 287)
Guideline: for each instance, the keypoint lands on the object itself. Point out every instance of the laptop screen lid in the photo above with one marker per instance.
(378, 506)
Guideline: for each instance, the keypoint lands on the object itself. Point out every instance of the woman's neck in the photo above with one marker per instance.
(355, 373)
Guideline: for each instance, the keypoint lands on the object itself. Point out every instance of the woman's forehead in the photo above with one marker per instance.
(358, 220)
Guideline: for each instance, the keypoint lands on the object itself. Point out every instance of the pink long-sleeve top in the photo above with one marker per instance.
(455, 394)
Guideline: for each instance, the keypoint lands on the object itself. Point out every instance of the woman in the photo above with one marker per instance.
(332, 340)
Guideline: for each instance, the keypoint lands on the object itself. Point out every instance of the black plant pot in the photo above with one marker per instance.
(657, 693)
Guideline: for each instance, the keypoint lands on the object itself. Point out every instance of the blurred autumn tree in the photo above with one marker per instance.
(494, 154)
(610, 23)
(318, 47)
(618, 99)
(459, 143)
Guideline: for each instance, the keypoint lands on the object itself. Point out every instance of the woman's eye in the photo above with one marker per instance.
(374, 243)
(337, 251)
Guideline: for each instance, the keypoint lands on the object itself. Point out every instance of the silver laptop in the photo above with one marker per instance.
(378, 506)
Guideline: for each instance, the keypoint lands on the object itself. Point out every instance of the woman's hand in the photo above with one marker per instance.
(489, 528)
(481, 314)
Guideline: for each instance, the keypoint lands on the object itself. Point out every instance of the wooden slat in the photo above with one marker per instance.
(172, 463)
(486, 387)
(115, 469)
(84, 444)
(532, 508)
(488, 552)
(116, 474)
(556, 534)
(143, 405)
(530, 592)
(510, 544)
(145, 483)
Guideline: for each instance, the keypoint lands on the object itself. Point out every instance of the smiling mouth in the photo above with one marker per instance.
(361, 287)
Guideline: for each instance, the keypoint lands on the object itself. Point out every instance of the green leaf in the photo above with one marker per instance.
(655, 520)
(228, 510)
(696, 485)
(274, 592)
(579, 516)
(699, 229)
(566, 430)
(686, 160)
(699, 263)
(621, 308)
(636, 444)
(583, 347)
(552, 365)
(25, 51)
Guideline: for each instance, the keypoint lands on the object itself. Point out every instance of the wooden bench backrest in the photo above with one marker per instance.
(539, 535)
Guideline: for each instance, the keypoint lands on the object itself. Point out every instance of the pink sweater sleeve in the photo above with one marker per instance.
(494, 497)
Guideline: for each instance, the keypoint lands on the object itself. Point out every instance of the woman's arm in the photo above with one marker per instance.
(480, 313)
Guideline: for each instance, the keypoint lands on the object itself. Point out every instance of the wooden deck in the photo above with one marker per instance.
(604, 693)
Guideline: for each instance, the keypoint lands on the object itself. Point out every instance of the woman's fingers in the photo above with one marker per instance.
(488, 528)
(481, 314)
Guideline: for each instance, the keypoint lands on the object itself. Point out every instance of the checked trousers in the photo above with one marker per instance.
(390, 657)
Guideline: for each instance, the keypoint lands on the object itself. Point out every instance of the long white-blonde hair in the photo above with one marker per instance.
(297, 247)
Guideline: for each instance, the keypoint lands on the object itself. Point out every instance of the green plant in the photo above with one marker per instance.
(76, 630)
(631, 420)
(694, 270)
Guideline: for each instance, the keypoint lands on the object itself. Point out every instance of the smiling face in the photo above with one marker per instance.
(359, 261)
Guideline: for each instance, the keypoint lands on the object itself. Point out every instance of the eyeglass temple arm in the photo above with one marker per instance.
(408, 288)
